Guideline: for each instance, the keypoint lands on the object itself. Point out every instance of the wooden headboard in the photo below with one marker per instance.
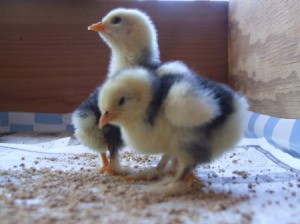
(49, 62)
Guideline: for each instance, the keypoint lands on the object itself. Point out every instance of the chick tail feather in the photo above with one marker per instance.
(227, 136)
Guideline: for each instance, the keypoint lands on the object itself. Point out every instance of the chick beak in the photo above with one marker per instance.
(106, 118)
(98, 27)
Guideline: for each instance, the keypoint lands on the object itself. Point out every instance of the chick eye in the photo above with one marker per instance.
(121, 101)
(116, 20)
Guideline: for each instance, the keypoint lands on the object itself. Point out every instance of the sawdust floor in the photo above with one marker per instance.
(51, 178)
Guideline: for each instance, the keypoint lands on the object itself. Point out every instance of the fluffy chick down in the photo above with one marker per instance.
(188, 117)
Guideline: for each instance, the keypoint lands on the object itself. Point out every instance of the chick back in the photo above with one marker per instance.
(222, 132)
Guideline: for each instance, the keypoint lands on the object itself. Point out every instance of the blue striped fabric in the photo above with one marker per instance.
(21, 127)
(294, 141)
(252, 121)
(281, 133)
(269, 128)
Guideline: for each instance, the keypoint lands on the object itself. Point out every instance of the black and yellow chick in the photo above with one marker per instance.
(188, 117)
(132, 38)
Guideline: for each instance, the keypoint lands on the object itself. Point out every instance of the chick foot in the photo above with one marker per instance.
(169, 186)
(192, 179)
(107, 166)
(145, 175)
(179, 187)
(108, 169)
(156, 173)
(171, 189)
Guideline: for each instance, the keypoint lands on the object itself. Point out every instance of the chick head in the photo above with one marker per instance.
(127, 29)
(125, 96)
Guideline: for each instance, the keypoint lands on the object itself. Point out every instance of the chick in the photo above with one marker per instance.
(132, 38)
(85, 119)
(187, 117)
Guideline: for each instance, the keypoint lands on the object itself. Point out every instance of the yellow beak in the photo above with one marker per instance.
(106, 118)
(98, 27)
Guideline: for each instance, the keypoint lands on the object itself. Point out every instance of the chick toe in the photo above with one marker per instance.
(107, 167)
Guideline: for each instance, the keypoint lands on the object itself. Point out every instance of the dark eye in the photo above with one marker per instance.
(116, 20)
(121, 101)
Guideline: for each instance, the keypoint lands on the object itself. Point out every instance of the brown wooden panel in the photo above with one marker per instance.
(49, 62)
(264, 54)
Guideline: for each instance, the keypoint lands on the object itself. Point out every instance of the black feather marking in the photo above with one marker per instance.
(161, 87)
(225, 99)
(89, 107)
(198, 150)
(113, 137)
(147, 60)
(223, 96)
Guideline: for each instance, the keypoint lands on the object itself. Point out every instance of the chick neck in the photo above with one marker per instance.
(124, 57)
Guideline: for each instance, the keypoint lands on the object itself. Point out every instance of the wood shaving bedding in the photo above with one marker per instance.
(31, 193)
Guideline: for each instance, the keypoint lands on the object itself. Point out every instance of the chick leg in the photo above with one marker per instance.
(173, 167)
(163, 162)
(185, 173)
(105, 163)
(181, 184)
(111, 166)
(174, 185)
(152, 173)
(115, 167)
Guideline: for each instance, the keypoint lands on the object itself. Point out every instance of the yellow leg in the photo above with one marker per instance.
(105, 163)
(106, 167)
(104, 160)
